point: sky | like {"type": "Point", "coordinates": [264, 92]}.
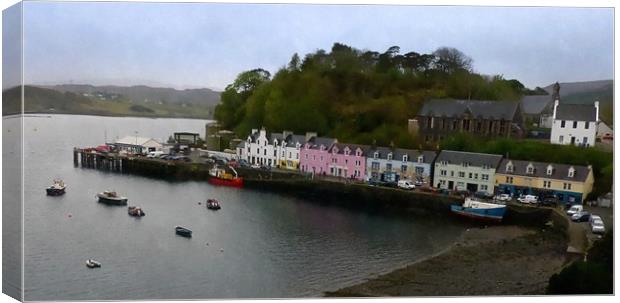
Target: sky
{"type": "Point", "coordinates": [191, 45]}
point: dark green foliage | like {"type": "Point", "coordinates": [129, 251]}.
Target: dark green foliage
{"type": "Point", "coordinates": [594, 276]}
{"type": "Point", "coordinates": [356, 96]}
{"type": "Point", "coordinates": [140, 109]}
{"type": "Point", "coordinates": [602, 162]}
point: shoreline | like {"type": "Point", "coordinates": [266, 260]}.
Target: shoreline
{"type": "Point", "coordinates": [25, 114]}
{"type": "Point", "coordinates": [499, 260]}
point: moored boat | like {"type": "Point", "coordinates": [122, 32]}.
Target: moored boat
{"type": "Point", "coordinates": [57, 189]}
{"type": "Point", "coordinates": [111, 197]}
{"type": "Point", "coordinates": [483, 211]}
{"type": "Point", "coordinates": [213, 204]}
{"type": "Point", "coordinates": [135, 211]}
{"type": "Point", "coordinates": [182, 231]}
{"type": "Point", "coordinates": [90, 263]}
{"type": "Point", "coordinates": [219, 176]}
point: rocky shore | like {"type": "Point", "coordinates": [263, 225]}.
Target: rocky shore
{"type": "Point", "coordinates": [498, 260]}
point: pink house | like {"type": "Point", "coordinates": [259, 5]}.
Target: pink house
{"type": "Point", "coordinates": [314, 155]}
{"type": "Point", "coordinates": [348, 161]}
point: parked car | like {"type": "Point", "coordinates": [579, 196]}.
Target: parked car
{"type": "Point", "coordinates": [155, 154]}
{"type": "Point", "coordinates": [243, 163]}
{"type": "Point", "coordinates": [418, 182]}
{"type": "Point", "coordinates": [405, 184]}
{"type": "Point", "coordinates": [597, 226]}
{"type": "Point", "coordinates": [594, 217]}
{"type": "Point", "coordinates": [582, 216]}
{"type": "Point", "coordinates": [550, 201]}
{"type": "Point", "coordinates": [503, 197]}
{"type": "Point", "coordinates": [528, 199]}
{"type": "Point", "coordinates": [255, 166]}
{"type": "Point", "coordinates": [483, 195]}
{"type": "Point", "coordinates": [574, 209]}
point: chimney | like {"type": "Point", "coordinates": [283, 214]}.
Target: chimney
{"type": "Point", "coordinates": [597, 109]}
{"type": "Point", "coordinates": [254, 130]}
{"type": "Point", "coordinates": [286, 133]}
{"type": "Point", "coordinates": [555, 107]}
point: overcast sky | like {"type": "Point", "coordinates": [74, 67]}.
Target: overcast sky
{"type": "Point", "coordinates": [206, 45]}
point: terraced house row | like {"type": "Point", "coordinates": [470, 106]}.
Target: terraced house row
{"type": "Point", "coordinates": [449, 170]}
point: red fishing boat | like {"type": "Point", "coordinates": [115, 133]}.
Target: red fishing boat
{"type": "Point", "coordinates": [219, 176]}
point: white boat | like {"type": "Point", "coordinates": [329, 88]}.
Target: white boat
{"type": "Point", "coordinates": [111, 197]}
{"type": "Point", "coordinates": [90, 263]}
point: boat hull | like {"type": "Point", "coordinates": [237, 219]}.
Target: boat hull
{"type": "Point", "coordinates": [238, 182]}
{"type": "Point", "coordinates": [55, 191]}
{"type": "Point", "coordinates": [480, 214]}
{"type": "Point", "coordinates": [112, 201]}
{"type": "Point", "coordinates": [184, 232]}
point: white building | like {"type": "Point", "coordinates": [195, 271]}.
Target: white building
{"type": "Point", "coordinates": [273, 150]}
{"type": "Point", "coordinates": [473, 172]}
{"type": "Point", "coordinates": [574, 124]}
{"type": "Point", "coordinates": [137, 145]}
{"type": "Point", "coordinates": [258, 149]}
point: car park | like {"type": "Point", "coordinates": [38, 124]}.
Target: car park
{"type": "Point", "coordinates": [405, 184]}
{"type": "Point", "coordinates": [582, 216]}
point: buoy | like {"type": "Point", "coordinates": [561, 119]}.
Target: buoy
{"type": "Point", "coordinates": [199, 203]}
{"type": "Point", "coordinates": [221, 249]}
{"type": "Point", "coordinates": [69, 215]}
{"type": "Point", "coordinates": [207, 243]}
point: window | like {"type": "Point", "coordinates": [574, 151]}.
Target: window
{"type": "Point", "coordinates": [509, 180]}
{"type": "Point", "coordinates": [442, 182]}
{"type": "Point", "coordinates": [549, 170]}
{"type": "Point", "coordinates": [465, 164]}
{"type": "Point", "coordinates": [306, 156]}
{"type": "Point", "coordinates": [389, 157]}
{"type": "Point", "coordinates": [314, 157]}
{"type": "Point", "coordinates": [587, 125]}
{"type": "Point", "coordinates": [375, 165]}
{"type": "Point", "coordinates": [443, 172]}
{"type": "Point", "coordinates": [476, 176]}
{"type": "Point", "coordinates": [563, 124]}
{"type": "Point", "coordinates": [419, 170]}
{"type": "Point", "coordinates": [509, 167]}
{"type": "Point", "coordinates": [485, 166]}
{"type": "Point", "coordinates": [470, 175]}
{"type": "Point", "coordinates": [547, 184]}
{"type": "Point", "coordinates": [484, 177]}
{"type": "Point", "coordinates": [376, 155]}
{"type": "Point", "coordinates": [461, 174]}
{"type": "Point", "coordinates": [451, 173]}
{"type": "Point", "coordinates": [420, 159]}
{"type": "Point", "coordinates": [585, 141]}
{"type": "Point", "coordinates": [574, 124]}
{"type": "Point", "coordinates": [297, 156]}
{"type": "Point", "coordinates": [483, 187]}
{"type": "Point", "coordinates": [405, 158]}
{"type": "Point", "coordinates": [346, 161]}
{"type": "Point", "coordinates": [403, 168]}
{"type": "Point", "coordinates": [561, 139]}
{"type": "Point", "coordinates": [571, 172]}
{"type": "Point", "coordinates": [567, 186]}
{"type": "Point", "coordinates": [347, 152]}
{"type": "Point", "coordinates": [388, 167]}
{"type": "Point", "coordinates": [264, 152]}
{"type": "Point", "coordinates": [530, 169]}
{"type": "Point", "coordinates": [334, 160]}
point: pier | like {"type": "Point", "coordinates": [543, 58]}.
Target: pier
{"type": "Point", "coordinates": [91, 158]}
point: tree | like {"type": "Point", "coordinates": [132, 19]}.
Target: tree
{"type": "Point", "coordinates": [449, 60]}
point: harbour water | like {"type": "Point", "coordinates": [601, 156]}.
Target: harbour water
{"type": "Point", "coordinates": [258, 245]}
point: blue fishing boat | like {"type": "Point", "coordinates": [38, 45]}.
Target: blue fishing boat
{"type": "Point", "coordinates": [479, 210]}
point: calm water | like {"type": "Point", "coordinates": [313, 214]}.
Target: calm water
{"type": "Point", "coordinates": [258, 245]}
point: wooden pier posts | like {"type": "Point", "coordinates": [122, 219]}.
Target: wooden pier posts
{"type": "Point", "coordinates": [91, 159]}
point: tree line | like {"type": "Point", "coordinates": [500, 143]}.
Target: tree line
{"type": "Point", "coordinates": [357, 96]}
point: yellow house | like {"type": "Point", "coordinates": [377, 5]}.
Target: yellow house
{"type": "Point", "coordinates": [570, 183]}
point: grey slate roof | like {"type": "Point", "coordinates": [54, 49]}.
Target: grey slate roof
{"type": "Point", "coordinates": [560, 171]}
{"type": "Point", "coordinates": [398, 153]}
{"type": "Point", "coordinates": [576, 112]}
{"type": "Point", "coordinates": [474, 159]}
{"type": "Point", "coordinates": [316, 142]}
{"type": "Point", "coordinates": [241, 144]}
{"type": "Point", "coordinates": [456, 108]}
{"type": "Point", "coordinates": [534, 105]}
{"type": "Point", "coordinates": [352, 147]}
{"type": "Point", "coordinates": [291, 140]}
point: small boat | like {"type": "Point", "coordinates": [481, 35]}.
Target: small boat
{"type": "Point", "coordinates": [111, 197]}
{"type": "Point", "coordinates": [135, 211]}
{"type": "Point", "coordinates": [182, 231]}
{"type": "Point", "coordinates": [213, 204]}
{"type": "Point", "coordinates": [219, 176]}
{"type": "Point", "coordinates": [90, 263]}
{"type": "Point", "coordinates": [483, 211]}
{"type": "Point", "coordinates": [57, 189]}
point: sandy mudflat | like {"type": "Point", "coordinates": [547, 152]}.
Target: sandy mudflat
{"type": "Point", "coordinates": [499, 260]}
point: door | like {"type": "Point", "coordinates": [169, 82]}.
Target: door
{"type": "Point", "coordinates": [450, 184]}
{"type": "Point", "coordinates": [472, 187]}
{"type": "Point", "coordinates": [572, 140]}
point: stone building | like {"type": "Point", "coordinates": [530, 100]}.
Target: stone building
{"type": "Point", "coordinates": [441, 117]}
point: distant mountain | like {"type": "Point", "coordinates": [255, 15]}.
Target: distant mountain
{"type": "Point", "coordinates": [45, 100]}
{"type": "Point", "coordinates": [145, 94]}
{"type": "Point", "coordinates": [585, 92]}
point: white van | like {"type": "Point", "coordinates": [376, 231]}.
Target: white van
{"type": "Point", "coordinates": [155, 154]}
{"type": "Point", "coordinates": [574, 209]}
{"type": "Point", "coordinates": [405, 184]}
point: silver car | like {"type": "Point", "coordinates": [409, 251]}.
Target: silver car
{"type": "Point", "coordinates": [597, 226]}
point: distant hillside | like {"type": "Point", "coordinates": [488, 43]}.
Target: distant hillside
{"type": "Point", "coordinates": [587, 92]}
{"type": "Point", "coordinates": [146, 94]}
{"type": "Point", "coordinates": [44, 100]}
